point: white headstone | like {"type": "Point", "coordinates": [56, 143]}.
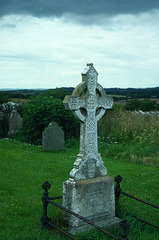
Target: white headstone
{"type": "Point", "coordinates": [89, 103]}
{"type": "Point", "coordinates": [89, 191]}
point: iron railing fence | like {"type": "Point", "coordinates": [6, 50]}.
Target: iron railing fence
{"type": "Point", "coordinates": [118, 191]}
{"type": "Point", "coordinates": [46, 221]}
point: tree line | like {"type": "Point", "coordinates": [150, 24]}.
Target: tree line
{"type": "Point", "coordinates": [47, 106]}
{"type": "Point", "coordinates": [126, 92]}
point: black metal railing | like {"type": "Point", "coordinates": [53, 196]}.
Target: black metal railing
{"type": "Point", "coordinates": [118, 191]}
{"type": "Point", "coordinates": [46, 221]}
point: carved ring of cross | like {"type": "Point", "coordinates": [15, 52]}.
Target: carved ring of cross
{"type": "Point", "coordinates": [82, 101]}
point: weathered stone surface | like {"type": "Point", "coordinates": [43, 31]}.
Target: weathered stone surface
{"type": "Point", "coordinates": [89, 192]}
{"type": "Point", "coordinates": [15, 122]}
{"type": "Point", "coordinates": [9, 106]}
{"type": "Point", "coordinates": [53, 138]}
{"type": "Point", "coordinates": [89, 103]}
{"type": "Point", "coordinates": [92, 199]}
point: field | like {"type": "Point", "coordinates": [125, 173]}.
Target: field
{"type": "Point", "coordinates": [25, 167]}
{"type": "Point", "coordinates": [123, 102]}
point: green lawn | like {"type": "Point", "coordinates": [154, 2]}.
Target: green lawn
{"type": "Point", "coordinates": [24, 168]}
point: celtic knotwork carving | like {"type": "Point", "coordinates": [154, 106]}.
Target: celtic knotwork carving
{"type": "Point", "coordinates": [90, 148]}
{"type": "Point", "coordinates": [106, 102]}
{"type": "Point", "coordinates": [91, 83]}
{"type": "Point", "coordinates": [78, 176]}
{"type": "Point", "coordinates": [103, 171]}
{"type": "Point", "coordinates": [91, 102]}
{"type": "Point", "coordinates": [91, 137]}
{"type": "Point", "coordinates": [88, 103]}
{"type": "Point", "coordinates": [75, 103]}
{"type": "Point", "coordinates": [91, 124]}
{"type": "Point", "coordinates": [91, 143]}
{"type": "Point", "coordinates": [91, 164]}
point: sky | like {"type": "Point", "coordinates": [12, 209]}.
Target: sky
{"type": "Point", "coordinates": [47, 43]}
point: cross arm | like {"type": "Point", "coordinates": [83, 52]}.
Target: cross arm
{"type": "Point", "coordinates": [73, 102]}
{"type": "Point", "coordinates": [105, 102]}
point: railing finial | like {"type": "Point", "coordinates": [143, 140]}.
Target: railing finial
{"type": "Point", "coordinates": [46, 186]}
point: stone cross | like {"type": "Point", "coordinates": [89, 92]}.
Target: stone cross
{"type": "Point", "coordinates": [89, 103]}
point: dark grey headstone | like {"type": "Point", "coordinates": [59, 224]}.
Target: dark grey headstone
{"type": "Point", "coordinates": [15, 122]}
{"type": "Point", "coordinates": [53, 138]}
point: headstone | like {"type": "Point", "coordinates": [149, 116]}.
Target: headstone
{"type": "Point", "coordinates": [15, 122]}
{"type": "Point", "coordinates": [89, 192]}
{"type": "Point", "coordinates": [53, 138]}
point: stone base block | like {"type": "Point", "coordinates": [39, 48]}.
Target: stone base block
{"type": "Point", "coordinates": [92, 199]}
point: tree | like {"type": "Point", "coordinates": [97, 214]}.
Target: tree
{"type": "Point", "coordinates": [145, 105]}
{"type": "Point", "coordinates": [148, 105]}
{"type": "Point", "coordinates": [59, 93]}
{"type": "Point", "coordinates": [42, 110]}
{"type": "Point", "coordinates": [132, 105]}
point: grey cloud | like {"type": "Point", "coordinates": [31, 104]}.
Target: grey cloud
{"type": "Point", "coordinates": [8, 26]}
{"type": "Point", "coordinates": [49, 8]}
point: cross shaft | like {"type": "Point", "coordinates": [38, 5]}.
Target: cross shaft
{"type": "Point", "coordinates": [89, 103]}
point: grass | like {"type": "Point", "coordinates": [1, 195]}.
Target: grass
{"type": "Point", "coordinates": [19, 100]}
{"type": "Point", "coordinates": [124, 126]}
{"type": "Point", "coordinates": [119, 96]}
{"type": "Point", "coordinates": [147, 154]}
{"type": "Point", "coordinates": [25, 167]}
{"type": "Point", "coordinates": [130, 136]}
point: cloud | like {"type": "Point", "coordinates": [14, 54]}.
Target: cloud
{"type": "Point", "coordinates": [82, 8]}
{"type": "Point", "coordinates": [8, 25]}
{"type": "Point", "coordinates": [50, 52]}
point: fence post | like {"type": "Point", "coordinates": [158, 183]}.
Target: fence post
{"type": "Point", "coordinates": [118, 180]}
{"type": "Point", "coordinates": [46, 186]}
{"type": "Point", "coordinates": [125, 226]}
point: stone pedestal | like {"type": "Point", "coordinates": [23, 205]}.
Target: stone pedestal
{"type": "Point", "coordinates": [92, 199]}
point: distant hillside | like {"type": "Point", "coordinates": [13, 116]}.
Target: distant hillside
{"type": "Point", "coordinates": [140, 92]}
{"type": "Point", "coordinates": [23, 91]}
{"type": "Point", "coordinates": [127, 92]}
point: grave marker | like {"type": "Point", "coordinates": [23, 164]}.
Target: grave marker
{"type": "Point", "coordinates": [89, 191]}
{"type": "Point", "coordinates": [53, 138]}
{"type": "Point", "coordinates": [15, 122]}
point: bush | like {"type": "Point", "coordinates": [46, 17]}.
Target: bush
{"type": "Point", "coordinates": [145, 105]}
{"type": "Point", "coordinates": [4, 97]}
{"type": "Point", "coordinates": [42, 110]}
{"type": "Point", "coordinates": [59, 93]}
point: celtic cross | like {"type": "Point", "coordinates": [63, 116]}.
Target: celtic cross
{"type": "Point", "coordinates": [89, 103]}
